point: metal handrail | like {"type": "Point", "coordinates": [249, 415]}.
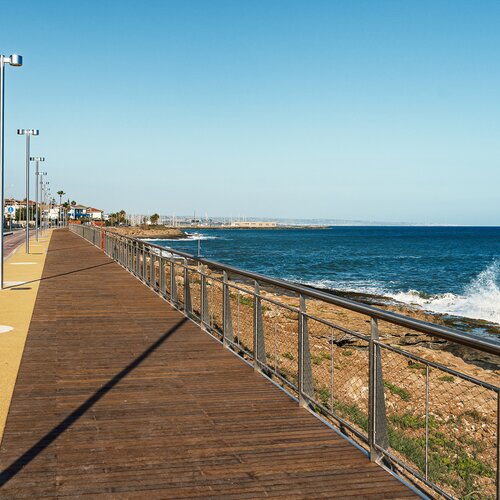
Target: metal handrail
{"type": "Point", "coordinates": [442, 332]}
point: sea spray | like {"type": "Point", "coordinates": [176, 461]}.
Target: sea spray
{"type": "Point", "coordinates": [480, 300]}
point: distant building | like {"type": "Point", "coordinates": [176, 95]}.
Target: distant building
{"type": "Point", "coordinates": [94, 213]}
{"type": "Point", "coordinates": [253, 224]}
{"type": "Point", "coordinates": [53, 213]}
{"type": "Point", "coordinates": [12, 206]}
{"type": "Point", "coordinates": [77, 211]}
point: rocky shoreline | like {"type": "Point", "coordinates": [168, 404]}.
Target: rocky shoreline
{"type": "Point", "coordinates": [150, 232]}
{"type": "Point", "coordinates": [475, 326]}
{"type": "Point", "coordinates": [416, 339]}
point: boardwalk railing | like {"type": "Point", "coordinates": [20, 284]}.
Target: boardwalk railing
{"type": "Point", "coordinates": [421, 399]}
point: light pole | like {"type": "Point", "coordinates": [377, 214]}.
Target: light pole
{"type": "Point", "coordinates": [49, 203]}
{"type": "Point", "coordinates": [61, 193]}
{"type": "Point", "coordinates": [13, 60]}
{"type": "Point", "coordinates": [36, 159]}
{"type": "Point", "coordinates": [28, 133]}
{"type": "Point", "coordinates": [45, 200]}
{"type": "Point", "coordinates": [40, 186]}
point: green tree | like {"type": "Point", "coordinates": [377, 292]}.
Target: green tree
{"type": "Point", "coordinates": [61, 194]}
{"type": "Point", "coordinates": [154, 219]}
{"type": "Point", "coordinates": [118, 218]}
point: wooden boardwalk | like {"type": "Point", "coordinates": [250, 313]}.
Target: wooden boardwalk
{"type": "Point", "coordinates": [119, 395]}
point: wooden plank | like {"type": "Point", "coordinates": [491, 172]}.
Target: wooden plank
{"type": "Point", "coordinates": [120, 395]}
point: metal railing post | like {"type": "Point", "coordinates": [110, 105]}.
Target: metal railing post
{"type": "Point", "coordinates": [259, 346]}
{"type": "Point", "coordinates": [144, 264]}
{"type": "Point", "coordinates": [377, 418]}
{"type": "Point", "coordinates": [226, 306]}
{"type": "Point", "coordinates": [137, 259]}
{"type": "Point", "coordinates": [173, 284]}
{"type": "Point", "coordinates": [187, 291]}
{"type": "Point", "coordinates": [152, 270]}
{"type": "Point", "coordinates": [132, 257]}
{"type": "Point", "coordinates": [162, 276]}
{"type": "Point", "coordinates": [306, 385]}
{"type": "Point", "coordinates": [205, 317]}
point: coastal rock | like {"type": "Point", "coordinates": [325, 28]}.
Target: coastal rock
{"type": "Point", "coordinates": [149, 231]}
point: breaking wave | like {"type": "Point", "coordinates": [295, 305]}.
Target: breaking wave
{"type": "Point", "coordinates": [190, 236]}
{"type": "Point", "coordinates": [199, 236]}
{"type": "Point", "coordinates": [480, 300]}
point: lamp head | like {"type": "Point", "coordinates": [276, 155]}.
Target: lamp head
{"type": "Point", "coordinates": [22, 131]}
{"type": "Point", "coordinates": [16, 60]}
{"type": "Point", "coordinates": [37, 158]}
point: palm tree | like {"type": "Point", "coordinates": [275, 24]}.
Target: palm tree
{"type": "Point", "coordinates": [154, 219]}
{"type": "Point", "coordinates": [61, 194]}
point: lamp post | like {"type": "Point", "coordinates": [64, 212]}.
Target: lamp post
{"type": "Point", "coordinates": [28, 133]}
{"type": "Point", "coordinates": [40, 187]}
{"type": "Point", "coordinates": [45, 200]}
{"type": "Point", "coordinates": [36, 159]}
{"type": "Point", "coordinates": [49, 207]}
{"type": "Point", "coordinates": [13, 60]}
{"type": "Point", "coordinates": [61, 193]}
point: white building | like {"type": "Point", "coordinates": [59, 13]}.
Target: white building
{"type": "Point", "coordinates": [94, 213]}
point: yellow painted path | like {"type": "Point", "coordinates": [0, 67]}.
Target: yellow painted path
{"type": "Point", "coordinates": [22, 275]}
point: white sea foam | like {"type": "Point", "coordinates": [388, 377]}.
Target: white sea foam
{"type": "Point", "coordinates": [190, 236]}
{"type": "Point", "coordinates": [199, 236]}
{"type": "Point", "coordinates": [480, 300]}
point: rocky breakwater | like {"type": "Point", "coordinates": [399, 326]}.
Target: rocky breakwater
{"type": "Point", "coordinates": [150, 232]}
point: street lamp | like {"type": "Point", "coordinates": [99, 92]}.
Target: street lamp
{"type": "Point", "coordinates": [28, 133]}
{"type": "Point", "coordinates": [61, 193]}
{"type": "Point", "coordinates": [13, 60]}
{"type": "Point", "coordinates": [36, 159]}
{"type": "Point", "coordinates": [47, 203]}
{"type": "Point", "coordinates": [40, 186]}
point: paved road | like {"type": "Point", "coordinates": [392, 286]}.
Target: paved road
{"type": "Point", "coordinates": [12, 241]}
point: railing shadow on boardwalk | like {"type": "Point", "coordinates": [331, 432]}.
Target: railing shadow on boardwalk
{"type": "Point", "coordinates": [16, 466]}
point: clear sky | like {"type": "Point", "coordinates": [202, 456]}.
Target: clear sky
{"type": "Point", "coordinates": [373, 110]}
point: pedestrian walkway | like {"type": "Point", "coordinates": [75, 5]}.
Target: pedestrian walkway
{"type": "Point", "coordinates": [17, 300]}
{"type": "Point", "coordinates": [119, 395]}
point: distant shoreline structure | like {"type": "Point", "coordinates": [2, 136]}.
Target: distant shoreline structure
{"type": "Point", "coordinates": [217, 222]}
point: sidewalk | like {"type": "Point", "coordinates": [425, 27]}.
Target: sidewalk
{"type": "Point", "coordinates": [17, 300]}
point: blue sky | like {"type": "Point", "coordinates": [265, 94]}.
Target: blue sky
{"type": "Point", "coordinates": [385, 110]}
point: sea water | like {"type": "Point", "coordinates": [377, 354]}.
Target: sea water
{"type": "Point", "coordinates": [446, 270]}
